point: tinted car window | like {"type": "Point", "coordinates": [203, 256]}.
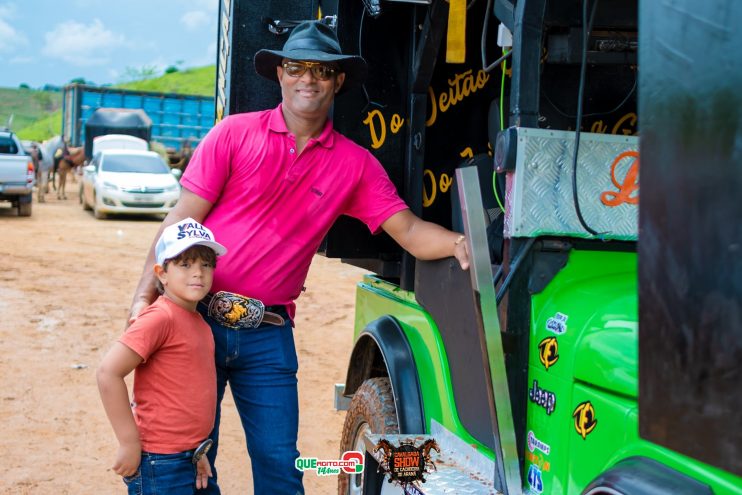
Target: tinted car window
{"type": "Point", "coordinates": [134, 163]}
{"type": "Point", "coordinates": [8, 146]}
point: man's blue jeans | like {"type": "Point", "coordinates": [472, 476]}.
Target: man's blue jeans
{"type": "Point", "coordinates": [173, 474]}
{"type": "Point", "coordinates": [260, 365]}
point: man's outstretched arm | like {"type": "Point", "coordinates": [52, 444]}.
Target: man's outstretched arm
{"type": "Point", "coordinates": [426, 240]}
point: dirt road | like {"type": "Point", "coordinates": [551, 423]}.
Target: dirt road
{"type": "Point", "coordinates": [66, 281]}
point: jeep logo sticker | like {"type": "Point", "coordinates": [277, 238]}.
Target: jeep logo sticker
{"type": "Point", "coordinates": [542, 397]}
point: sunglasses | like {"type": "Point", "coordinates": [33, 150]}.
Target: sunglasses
{"type": "Point", "coordinates": [319, 70]}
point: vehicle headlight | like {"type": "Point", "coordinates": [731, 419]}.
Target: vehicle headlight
{"type": "Point", "coordinates": [174, 187]}
{"type": "Point", "coordinates": [110, 185]}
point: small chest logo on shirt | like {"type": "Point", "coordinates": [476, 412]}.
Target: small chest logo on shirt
{"type": "Point", "coordinates": [317, 191]}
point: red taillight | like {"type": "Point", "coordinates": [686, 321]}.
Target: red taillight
{"type": "Point", "coordinates": [30, 173]}
{"type": "Point", "coordinates": [30, 167]}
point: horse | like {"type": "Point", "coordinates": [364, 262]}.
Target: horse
{"type": "Point", "coordinates": [426, 447]}
{"type": "Point", "coordinates": [46, 165]}
{"type": "Point", "coordinates": [75, 157]}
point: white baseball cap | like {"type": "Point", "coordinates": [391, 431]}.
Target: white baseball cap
{"type": "Point", "coordinates": [180, 236]}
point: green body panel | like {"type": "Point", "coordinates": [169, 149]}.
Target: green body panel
{"type": "Point", "coordinates": [376, 298]}
{"type": "Point", "coordinates": [597, 349]}
{"type": "Point", "coordinates": [597, 364]}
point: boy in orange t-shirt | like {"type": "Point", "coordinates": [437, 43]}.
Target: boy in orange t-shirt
{"type": "Point", "coordinates": [162, 433]}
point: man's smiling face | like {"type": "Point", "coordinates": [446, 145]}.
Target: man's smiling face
{"type": "Point", "coordinates": [307, 96]}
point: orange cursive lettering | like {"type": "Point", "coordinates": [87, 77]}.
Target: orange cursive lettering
{"type": "Point", "coordinates": [629, 185]}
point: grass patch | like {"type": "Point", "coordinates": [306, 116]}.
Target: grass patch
{"type": "Point", "coordinates": [43, 128]}
{"type": "Point", "coordinates": [200, 81]}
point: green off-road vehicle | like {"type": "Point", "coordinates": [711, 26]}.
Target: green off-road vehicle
{"type": "Point", "coordinates": [595, 344]}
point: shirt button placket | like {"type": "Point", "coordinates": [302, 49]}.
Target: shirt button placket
{"type": "Point", "coordinates": [291, 173]}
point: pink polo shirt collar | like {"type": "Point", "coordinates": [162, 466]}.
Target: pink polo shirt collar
{"type": "Point", "coordinates": [277, 123]}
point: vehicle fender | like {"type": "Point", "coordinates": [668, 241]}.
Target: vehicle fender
{"type": "Point", "coordinates": [644, 476]}
{"type": "Point", "coordinates": [382, 349]}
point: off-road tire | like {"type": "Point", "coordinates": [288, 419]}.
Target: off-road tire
{"type": "Point", "coordinates": [372, 405]}
{"type": "Point", "coordinates": [24, 209]}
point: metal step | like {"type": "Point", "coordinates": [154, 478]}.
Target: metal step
{"type": "Point", "coordinates": [459, 468]}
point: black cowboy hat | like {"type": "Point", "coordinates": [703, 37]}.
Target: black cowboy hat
{"type": "Point", "coordinates": [315, 41]}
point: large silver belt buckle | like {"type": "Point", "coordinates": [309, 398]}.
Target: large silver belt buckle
{"type": "Point", "coordinates": [234, 311]}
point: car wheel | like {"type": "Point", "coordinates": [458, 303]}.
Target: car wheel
{"type": "Point", "coordinates": [24, 209]}
{"type": "Point", "coordinates": [85, 205]}
{"type": "Point", "coordinates": [371, 410]}
{"type": "Point", "coordinates": [96, 212]}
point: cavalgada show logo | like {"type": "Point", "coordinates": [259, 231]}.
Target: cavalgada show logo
{"type": "Point", "coordinates": [350, 462]}
{"type": "Point", "coordinates": [408, 463]}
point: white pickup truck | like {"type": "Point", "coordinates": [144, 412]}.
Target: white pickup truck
{"type": "Point", "coordinates": [16, 173]}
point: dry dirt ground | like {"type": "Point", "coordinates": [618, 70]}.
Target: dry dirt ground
{"type": "Point", "coordinates": [66, 281]}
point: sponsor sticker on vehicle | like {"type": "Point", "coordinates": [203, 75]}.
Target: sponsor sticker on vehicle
{"type": "Point", "coordinates": [557, 324]}
{"type": "Point", "coordinates": [536, 444]}
{"type": "Point", "coordinates": [535, 482]}
{"type": "Point", "coordinates": [585, 420]}
{"type": "Point", "coordinates": [548, 352]}
{"type": "Point", "coordinates": [407, 464]}
{"type": "Point", "coordinates": [542, 397]}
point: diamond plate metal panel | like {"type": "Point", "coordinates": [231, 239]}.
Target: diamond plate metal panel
{"type": "Point", "coordinates": [539, 197]}
{"type": "Point", "coordinates": [460, 468]}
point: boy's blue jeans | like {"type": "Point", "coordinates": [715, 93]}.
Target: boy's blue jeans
{"type": "Point", "coordinates": [164, 473]}
{"type": "Point", "coordinates": [260, 365]}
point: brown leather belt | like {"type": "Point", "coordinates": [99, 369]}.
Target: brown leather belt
{"type": "Point", "coordinates": [235, 311]}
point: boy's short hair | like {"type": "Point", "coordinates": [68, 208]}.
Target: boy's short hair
{"type": "Point", "coordinates": [198, 251]}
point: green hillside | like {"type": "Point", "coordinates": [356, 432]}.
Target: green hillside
{"type": "Point", "coordinates": [200, 81]}
{"type": "Point", "coordinates": [43, 128]}
{"type": "Point", "coordinates": [27, 106]}
{"type": "Point", "coordinates": [38, 114]}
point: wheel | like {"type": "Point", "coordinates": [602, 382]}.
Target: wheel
{"type": "Point", "coordinates": [85, 205]}
{"type": "Point", "coordinates": [24, 209]}
{"type": "Point", "coordinates": [97, 213]}
{"type": "Point", "coordinates": [371, 410]}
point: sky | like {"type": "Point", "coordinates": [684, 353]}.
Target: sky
{"type": "Point", "coordinates": [103, 41]}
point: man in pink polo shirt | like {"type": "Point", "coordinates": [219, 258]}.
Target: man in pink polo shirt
{"type": "Point", "coordinates": [270, 185]}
